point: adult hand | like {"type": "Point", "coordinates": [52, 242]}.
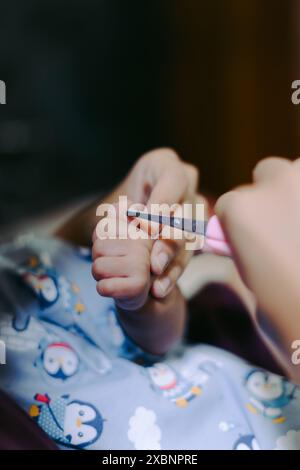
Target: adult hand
{"type": "Point", "coordinates": [262, 224]}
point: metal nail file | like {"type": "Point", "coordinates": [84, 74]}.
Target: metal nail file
{"type": "Point", "coordinates": [188, 225]}
{"type": "Point", "coordinates": [215, 240]}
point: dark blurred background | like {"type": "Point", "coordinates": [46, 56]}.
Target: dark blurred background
{"type": "Point", "coordinates": [92, 84]}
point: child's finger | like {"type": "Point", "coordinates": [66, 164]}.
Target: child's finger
{"type": "Point", "coordinates": [149, 228]}
{"type": "Point", "coordinates": [163, 285]}
{"type": "Point", "coordinates": [171, 241]}
{"type": "Point", "coordinates": [110, 248]}
{"type": "Point", "coordinates": [163, 252]}
{"type": "Point", "coordinates": [167, 182]}
{"type": "Point", "coordinates": [120, 287]}
{"type": "Point", "coordinates": [106, 267]}
{"type": "Point", "coordinates": [111, 228]}
{"type": "Point", "coordinates": [193, 178]}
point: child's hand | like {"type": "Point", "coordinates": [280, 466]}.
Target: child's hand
{"type": "Point", "coordinates": [121, 267]}
{"type": "Point", "coordinates": [161, 177]}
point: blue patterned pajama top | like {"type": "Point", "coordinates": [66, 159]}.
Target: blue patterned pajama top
{"type": "Point", "coordinates": [70, 365]}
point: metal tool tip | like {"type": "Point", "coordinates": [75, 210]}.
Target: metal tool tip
{"type": "Point", "coordinates": [133, 213]}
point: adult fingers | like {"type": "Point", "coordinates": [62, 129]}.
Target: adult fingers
{"type": "Point", "coordinates": [270, 168]}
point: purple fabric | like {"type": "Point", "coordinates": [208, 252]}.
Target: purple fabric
{"type": "Point", "coordinates": [18, 431]}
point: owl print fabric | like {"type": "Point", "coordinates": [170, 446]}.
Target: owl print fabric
{"type": "Point", "coordinates": [88, 386]}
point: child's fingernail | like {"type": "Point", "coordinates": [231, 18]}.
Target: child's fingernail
{"type": "Point", "coordinates": [163, 260]}
{"type": "Point", "coordinates": [163, 285]}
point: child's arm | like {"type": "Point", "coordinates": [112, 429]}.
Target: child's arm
{"type": "Point", "coordinates": [121, 268]}
{"type": "Point", "coordinates": [158, 324]}
{"type": "Point", "coordinates": [262, 224]}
